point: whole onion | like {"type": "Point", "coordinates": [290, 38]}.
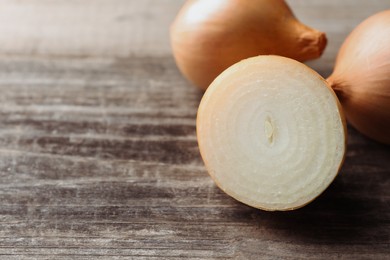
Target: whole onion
{"type": "Point", "coordinates": [361, 78]}
{"type": "Point", "coordinates": [208, 36]}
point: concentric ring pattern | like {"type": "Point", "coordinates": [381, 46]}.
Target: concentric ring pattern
{"type": "Point", "coordinates": [271, 133]}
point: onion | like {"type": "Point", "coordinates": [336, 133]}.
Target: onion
{"type": "Point", "coordinates": [271, 133]}
{"type": "Point", "coordinates": [208, 36]}
{"type": "Point", "coordinates": [361, 77]}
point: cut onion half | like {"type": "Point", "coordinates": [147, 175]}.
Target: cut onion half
{"type": "Point", "coordinates": [271, 133]}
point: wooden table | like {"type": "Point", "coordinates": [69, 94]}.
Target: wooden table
{"type": "Point", "coordinates": [98, 154]}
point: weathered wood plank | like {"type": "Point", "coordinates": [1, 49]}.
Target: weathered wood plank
{"type": "Point", "coordinates": [98, 153]}
{"type": "Point", "coordinates": [95, 165]}
{"type": "Point", "coordinates": [121, 28]}
{"type": "Point", "coordinates": [86, 28]}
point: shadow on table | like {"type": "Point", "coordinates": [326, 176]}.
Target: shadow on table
{"type": "Point", "coordinates": [354, 209]}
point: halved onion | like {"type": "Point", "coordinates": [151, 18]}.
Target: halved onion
{"type": "Point", "coordinates": [271, 133]}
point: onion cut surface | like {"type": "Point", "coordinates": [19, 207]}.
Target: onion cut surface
{"type": "Point", "coordinates": [271, 133]}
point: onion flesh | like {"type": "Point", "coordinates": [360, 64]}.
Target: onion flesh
{"type": "Point", "coordinates": [271, 133]}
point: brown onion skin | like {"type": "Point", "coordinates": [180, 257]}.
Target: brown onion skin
{"type": "Point", "coordinates": [361, 78]}
{"type": "Point", "coordinates": [223, 32]}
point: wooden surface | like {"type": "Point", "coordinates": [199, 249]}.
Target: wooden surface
{"type": "Point", "coordinates": [99, 159]}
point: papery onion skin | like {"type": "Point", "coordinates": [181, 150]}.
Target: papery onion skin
{"type": "Point", "coordinates": [209, 36]}
{"type": "Point", "coordinates": [361, 77]}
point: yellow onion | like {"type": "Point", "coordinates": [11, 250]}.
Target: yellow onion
{"type": "Point", "coordinates": [208, 36]}
{"type": "Point", "coordinates": [271, 133]}
{"type": "Point", "coordinates": [361, 77]}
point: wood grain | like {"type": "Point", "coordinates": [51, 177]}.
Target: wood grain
{"type": "Point", "coordinates": [99, 159]}
{"type": "Point", "coordinates": [120, 28]}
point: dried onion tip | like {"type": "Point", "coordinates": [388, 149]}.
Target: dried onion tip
{"type": "Point", "coordinates": [271, 133]}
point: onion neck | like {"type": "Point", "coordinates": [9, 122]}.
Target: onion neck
{"type": "Point", "coordinates": [337, 86]}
